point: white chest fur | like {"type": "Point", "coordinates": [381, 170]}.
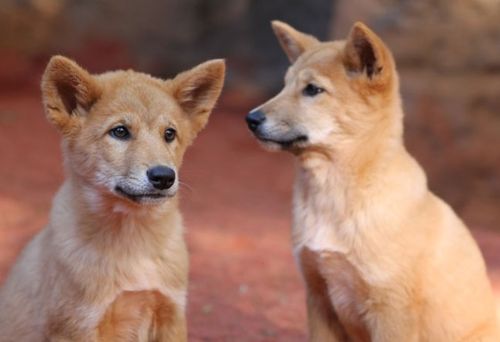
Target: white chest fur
{"type": "Point", "coordinates": [323, 241]}
{"type": "Point", "coordinates": [145, 275]}
{"type": "Point", "coordinates": [317, 214]}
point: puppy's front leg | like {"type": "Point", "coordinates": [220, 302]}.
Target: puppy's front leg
{"type": "Point", "coordinates": [143, 316]}
{"type": "Point", "coordinates": [323, 321]}
{"type": "Point", "coordinates": [172, 330]}
{"type": "Point", "coordinates": [172, 326]}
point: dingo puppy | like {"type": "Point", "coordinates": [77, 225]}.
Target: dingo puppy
{"type": "Point", "coordinates": [112, 264]}
{"type": "Point", "coordinates": [383, 258]}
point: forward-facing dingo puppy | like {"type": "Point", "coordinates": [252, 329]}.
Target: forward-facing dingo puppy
{"type": "Point", "coordinates": [112, 264]}
{"type": "Point", "coordinates": [383, 258]}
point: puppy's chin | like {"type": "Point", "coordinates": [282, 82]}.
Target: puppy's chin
{"type": "Point", "coordinates": [270, 145]}
{"type": "Point", "coordinates": [285, 143]}
{"type": "Point", "coordinates": [144, 197]}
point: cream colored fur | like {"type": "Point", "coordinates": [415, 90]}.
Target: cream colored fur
{"type": "Point", "coordinates": [108, 268]}
{"type": "Point", "coordinates": [383, 258]}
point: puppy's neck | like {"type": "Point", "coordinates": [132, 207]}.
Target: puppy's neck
{"type": "Point", "coordinates": [91, 217]}
{"type": "Point", "coordinates": [349, 164]}
{"type": "Point", "coordinates": [355, 156]}
{"type": "Point", "coordinates": [345, 179]}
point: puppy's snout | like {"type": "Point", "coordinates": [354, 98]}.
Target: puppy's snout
{"type": "Point", "coordinates": [161, 177]}
{"type": "Point", "coordinates": [254, 119]}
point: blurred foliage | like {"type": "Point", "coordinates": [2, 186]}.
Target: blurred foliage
{"type": "Point", "coordinates": [162, 36]}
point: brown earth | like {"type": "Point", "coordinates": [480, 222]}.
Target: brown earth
{"type": "Point", "coordinates": [236, 202]}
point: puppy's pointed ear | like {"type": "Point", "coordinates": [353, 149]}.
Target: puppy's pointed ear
{"type": "Point", "coordinates": [365, 53]}
{"type": "Point", "coordinates": [68, 92]}
{"type": "Point", "coordinates": [293, 42]}
{"type": "Point", "coordinates": [198, 89]}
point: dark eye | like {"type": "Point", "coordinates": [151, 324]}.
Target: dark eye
{"type": "Point", "coordinates": [120, 132]}
{"type": "Point", "coordinates": [170, 134]}
{"type": "Point", "coordinates": [312, 90]}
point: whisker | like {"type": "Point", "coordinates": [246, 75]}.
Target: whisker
{"type": "Point", "coordinates": [187, 186]}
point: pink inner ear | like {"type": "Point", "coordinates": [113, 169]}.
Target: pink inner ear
{"type": "Point", "coordinates": [293, 45]}
{"type": "Point", "coordinates": [198, 94]}
{"type": "Point", "coordinates": [67, 94]}
{"type": "Point", "coordinates": [201, 89]}
{"type": "Point", "coordinates": [294, 49]}
{"type": "Point", "coordinates": [67, 86]}
{"type": "Point", "coordinates": [367, 56]}
{"type": "Point", "coordinates": [362, 55]}
{"type": "Point", "coordinates": [76, 92]}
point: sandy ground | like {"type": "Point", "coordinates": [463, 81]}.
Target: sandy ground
{"type": "Point", "coordinates": [236, 202]}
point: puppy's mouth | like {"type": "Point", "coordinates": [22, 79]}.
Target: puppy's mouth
{"type": "Point", "coordinates": [284, 143]}
{"type": "Point", "coordinates": [140, 197]}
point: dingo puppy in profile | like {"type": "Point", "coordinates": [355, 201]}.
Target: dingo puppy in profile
{"type": "Point", "coordinates": [112, 265]}
{"type": "Point", "coordinates": [383, 258]}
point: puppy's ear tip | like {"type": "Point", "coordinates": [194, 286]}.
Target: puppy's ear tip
{"type": "Point", "coordinates": [60, 66]}
{"type": "Point", "coordinates": [217, 62]}
{"type": "Point", "coordinates": [277, 23]}
{"type": "Point", "coordinates": [216, 65]}
{"type": "Point", "coordinates": [359, 25]}
{"type": "Point", "coordinates": [280, 26]}
{"type": "Point", "coordinates": [59, 60]}
{"type": "Point", "coordinates": [361, 29]}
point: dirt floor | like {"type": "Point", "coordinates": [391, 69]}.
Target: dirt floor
{"type": "Point", "coordinates": [236, 202]}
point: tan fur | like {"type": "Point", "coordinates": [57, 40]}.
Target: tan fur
{"type": "Point", "coordinates": [382, 257]}
{"type": "Point", "coordinates": [142, 316]}
{"type": "Point", "coordinates": [107, 268]}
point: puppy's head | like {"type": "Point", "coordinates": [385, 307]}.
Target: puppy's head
{"type": "Point", "coordinates": [125, 133]}
{"type": "Point", "coordinates": [334, 93]}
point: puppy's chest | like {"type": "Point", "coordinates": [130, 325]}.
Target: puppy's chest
{"type": "Point", "coordinates": [316, 223]}
{"type": "Point", "coordinates": [323, 244]}
{"type": "Point", "coordinates": [139, 275]}
{"type": "Point", "coordinates": [146, 274]}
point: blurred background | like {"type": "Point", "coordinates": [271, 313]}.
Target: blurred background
{"type": "Point", "coordinates": [244, 284]}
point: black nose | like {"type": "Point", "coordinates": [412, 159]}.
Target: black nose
{"type": "Point", "coordinates": [161, 177]}
{"type": "Point", "coordinates": [254, 119]}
